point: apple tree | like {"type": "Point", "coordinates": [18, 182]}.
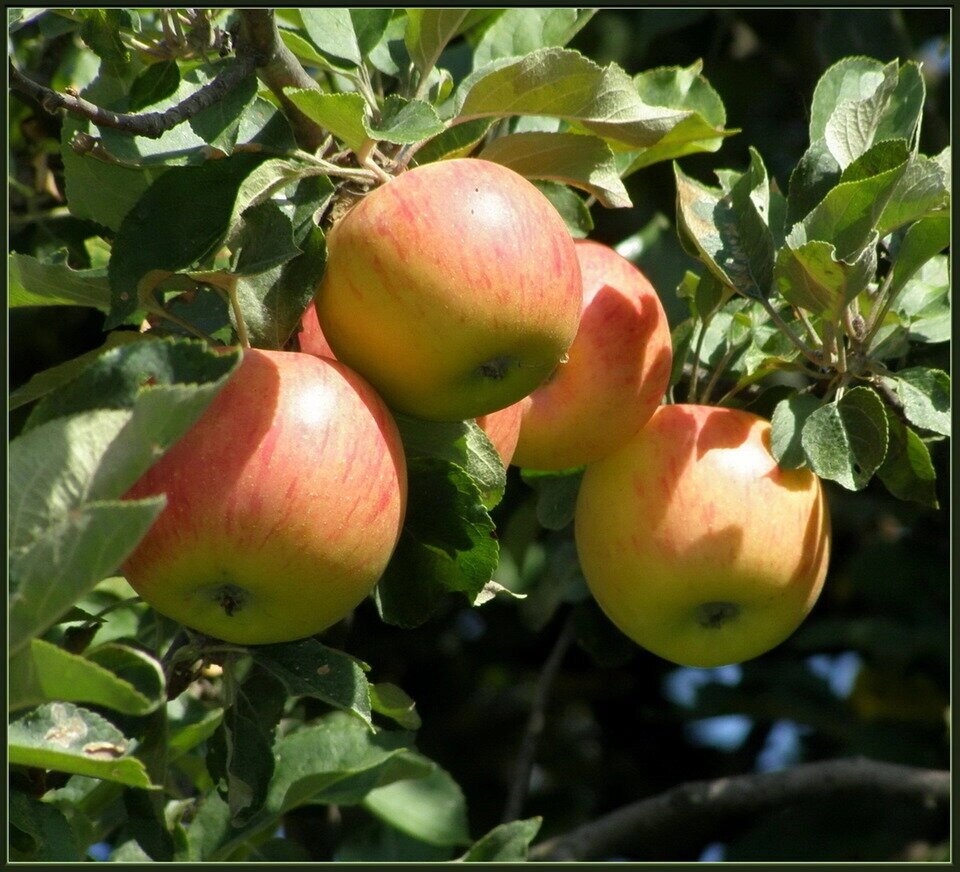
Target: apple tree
{"type": "Point", "coordinates": [183, 181]}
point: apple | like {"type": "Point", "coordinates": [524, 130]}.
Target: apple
{"type": "Point", "coordinates": [503, 429]}
{"type": "Point", "coordinates": [310, 337]}
{"type": "Point", "coordinates": [616, 375]}
{"type": "Point", "coordinates": [696, 544]}
{"type": "Point", "coordinates": [284, 503]}
{"type": "Point", "coordinates": [454, 289]}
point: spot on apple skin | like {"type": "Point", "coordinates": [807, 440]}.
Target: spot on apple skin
{"type": "Point", "coordinates": [229, 597]}
{"type": "Point", "coordinates": [496, 368]}
{"type": "Point", "coordinates": [714, 615]}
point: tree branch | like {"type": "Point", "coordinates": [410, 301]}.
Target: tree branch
{"type": "Point", "coordinates": [279, 69]}
{"type": "Point", "coordinates": [535, 723]}
{"type": "Point", "coordinates": [679, 807]}
{"type": "Point", "coordinates": [150, 124]}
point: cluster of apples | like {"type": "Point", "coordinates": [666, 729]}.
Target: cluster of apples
{"type": "Point", "coordinates": [455, 292]}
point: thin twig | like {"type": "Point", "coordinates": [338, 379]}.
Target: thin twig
{"type": "Point", "coordinates": [149, 124]}
{"type": "Point", "coordinates": [712, 804]}
{"type": "Point", "coordinates": [717, 372]}
{"type": "Point", "coordinates": [535, 723]}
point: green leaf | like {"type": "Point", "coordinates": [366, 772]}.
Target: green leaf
{"type": "Point", "coordinates": [847, 216]}
{"type": "Point", "coordinates": [431, 809]}
{"type": "Point", "coordinates": [852, 79]}
{"type": "Point", "coordinates": [813, 278]}
{"type": "Point", "coordinates": [507, 843]}
{"type": "Point", "coordinates": [923, 190]}
{"type": "Point", "coordinates": [157, 82]}
{"type": "Point", "coordinates": [340, 114]}
{"type": "Point", "coordinates": [39, 832]}
{"type": "Point", "coordinates": [404, 121]}
{"type": "Point", "coordinates": [333, 32]}
{"type": "Point", "coordinates": [65, 738]}
{"type": "Point", "coordinates": [556, 495]}
{"type": "Point", "coordinates": [37, 283]}
{"type": "Point", "coordinates": [846, 441]}
{"type": "Point", "coordinates": [787, 423]}
{"type": "Point", "coordinates": [48, 380]}
{"type": "Point", "coordinates": [925, 302]}
{"type": "Point", "coordinates": [307, 668]}
{"type": "Point", "coordinates": [392, 702]}
{"type": "Point", "coordinates": [853, 124]}
{"type": "Point", "coordinates": [680, 88]}
{"type": "Point", "coordinates": [585, 162]}
{"type": "Point", "coordinates": [923, 239]}
{"type": "Point", "coordinates": [68, 558]}
{"type": "Point", "coordinates": [925, 394]}
{"type": "Point", "coordinates": [171, 229]}
{"type": "Point", "coordinates": [427, 33]}
{"type": "Point", "coordinates": [372, 841]}
{"type": "Point", "coordinates": [907, 470]}
{"type": "Point", "coordinates": [45, 672]}
{"type": "Point", "coordinates": [520, 31]}
{"type": "Point", "coordinates": [369, 25]}
{"type": "Point", "coordinates": [101, 32]}
{"type": "Point", "coordinates": [457, 141]}
{"type": "Point", "coordinates": [562, 83]}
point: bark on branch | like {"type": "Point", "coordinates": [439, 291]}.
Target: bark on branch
{"type": "Point", "coordinates": [279, 69]}
{"type": "Point", "coordinates": [150, 124]}
{"type": "Point", "coordinates": [646, 820]}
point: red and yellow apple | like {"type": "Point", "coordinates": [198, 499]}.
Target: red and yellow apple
{"type": "Point", "coordinates": [694, 541]}
{"type": "Point", "coordinates": [284, 503]}
{"type": "Point", "coordinates": [616, 374]}
{"type": "Point", "coordinates": [454, 289]}
{"type": "Point", "coordinates": [310, 337]}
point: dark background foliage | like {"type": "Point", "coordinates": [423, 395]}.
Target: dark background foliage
{"type": "Point", "coordinates": [868, 673]}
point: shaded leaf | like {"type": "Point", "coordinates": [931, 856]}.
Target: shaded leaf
{"type": "Point", "coordinates": [570, 205]}
{"type": "Point", "coordinates": [393, 702]}
{"type": "Point", "coordinates": [428, 31]}
{"type": "Point", "coordinates": [787, 423]}
{"type": "Point", "coordinates": [556, 495]}
{"type": "Point", "coordinates": [907, 470]}
{"type": "Point", "coordinates": [585, 162]}
{"type": "Point", "coordinates": [308, 668]}
{"type": "Point", "coordinates": [39, 832]}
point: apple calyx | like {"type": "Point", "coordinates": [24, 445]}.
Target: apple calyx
{"type": "Point", "coordinates": [230, 597]}
{"type": "Point", "coordinates": [714, 615]}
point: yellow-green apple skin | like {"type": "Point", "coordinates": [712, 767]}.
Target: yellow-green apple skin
{"type": "Point", "coordinates": [696, 544]}
{"type": "Point", "coordinates": [284, 503]}
{"type": "Point", "coordinates": [454, 289]}
{"type": "Point", "coordinates": [503, 429]}
{"type": "Point", "coordinates": [616, 374]}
